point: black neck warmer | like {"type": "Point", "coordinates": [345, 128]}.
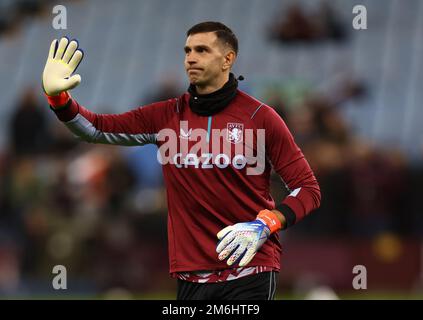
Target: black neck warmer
{"type": "Point", "coordinates": [212, 103]}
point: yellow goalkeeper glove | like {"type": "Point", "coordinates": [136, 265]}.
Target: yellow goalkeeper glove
{"type": "Point", "coordinates": [63, 59]}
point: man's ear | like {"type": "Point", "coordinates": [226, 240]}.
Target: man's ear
{"type": "Point", "coordinates": [229, 57]}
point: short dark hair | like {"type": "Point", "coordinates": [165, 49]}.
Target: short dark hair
{"type": "Point", "coordinates": [223, 33]}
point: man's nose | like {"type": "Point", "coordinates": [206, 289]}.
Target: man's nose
{"type": "Point", "coordinates": [191, 59]}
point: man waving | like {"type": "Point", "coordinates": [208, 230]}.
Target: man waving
{"type": "Point", "coordinates": [217, 146]}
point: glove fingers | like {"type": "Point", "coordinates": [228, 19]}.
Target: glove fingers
{"type": "Point", "coordinates": [63, 43]}
{"type": "Point", "coordinates": [224, 232]}
{"type": "Point", "coordinates": [73, 81]}
{"type": "Point", "coordinates": [52, 50]}
{"type": "Point", "coordinates": [76, 60]}
{"type": "Point", "coordinates": [228, 250]}
{"type": "Point", "coordinates": [70, 50]}
{"type": "Point", "coordinates": [236, 255]}
{"type": "Point", "coordinates": [249, 255]}
{"type": "Point", "coordinates": [225, 242]}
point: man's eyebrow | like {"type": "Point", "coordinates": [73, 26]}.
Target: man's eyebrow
{"type": "Point", "coordinates": [201, 46]}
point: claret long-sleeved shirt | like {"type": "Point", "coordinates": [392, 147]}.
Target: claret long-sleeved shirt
{"type": "Point", "coordinates": [216, 170]}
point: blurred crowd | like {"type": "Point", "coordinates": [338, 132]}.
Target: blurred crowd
{"type": "Point", "coordinates": [366, 189]}
{"type": "Point", "coordinates": [297, 25]}
{"type": "Point", "coordinates": [13, 12]}
{"type": "Point", "coordinates": [92, 208]}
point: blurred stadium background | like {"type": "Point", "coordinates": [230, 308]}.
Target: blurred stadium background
{"type": "Point", "coordinates": [353, 100]}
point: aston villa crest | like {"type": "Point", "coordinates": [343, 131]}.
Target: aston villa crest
{"type": "Point", "coordinates": [235, 132]}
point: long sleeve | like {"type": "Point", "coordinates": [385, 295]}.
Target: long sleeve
{"type": "Point", "coordinates": [289, 162]}
{"type": "Point", "coordinates": [136, 127]}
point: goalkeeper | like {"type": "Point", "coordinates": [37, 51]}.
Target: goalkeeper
{"type": "Point", "coordinates": [223, 225]}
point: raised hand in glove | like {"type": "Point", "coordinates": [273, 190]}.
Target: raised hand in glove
{"type": "Point", "coordinates": [63, 59]}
